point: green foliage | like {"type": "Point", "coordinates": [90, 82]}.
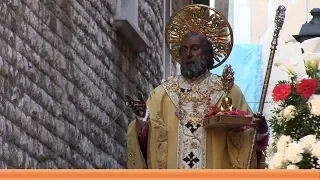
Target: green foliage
{"type": "Point", "coordinates": [301, 125]}
{"type": "Point", "coordinates": [318, 89]}
{"type": "Point", "coordinates": [309, 71]}
{"type": "Point", "coordinates": [307, 162]}
{"type": "Point", "coordinates": [295, 99]}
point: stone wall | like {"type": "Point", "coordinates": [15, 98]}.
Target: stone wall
{"type": "Point", "coordinates": [64, 74]}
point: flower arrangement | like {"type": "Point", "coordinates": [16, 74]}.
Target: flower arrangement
{"type": "Point", "coordinates": [295, 123]}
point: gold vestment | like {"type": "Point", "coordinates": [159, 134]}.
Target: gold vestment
{"type": "Point", "coordinates": [169, 143]}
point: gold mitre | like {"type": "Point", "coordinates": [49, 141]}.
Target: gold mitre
{"type": "Point", "coordinates": [204, 20]}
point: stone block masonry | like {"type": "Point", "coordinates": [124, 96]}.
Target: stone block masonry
{"type": "Point", "coordinates": [64, 74]}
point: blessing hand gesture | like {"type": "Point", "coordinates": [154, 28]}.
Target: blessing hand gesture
{"type": "Point", "coordinates": [138, 107]}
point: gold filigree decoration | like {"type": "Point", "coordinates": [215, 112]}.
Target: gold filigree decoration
{"type": "Point", "coordinates": [194, 95]}
{"type": "Point", "coordinates": [235, 149]}
{"type": "Point", "coordinates": [195, 118]}
{"type": "Point", "coordinates": [227, 79]}
{"type": "Point", "coordinates": [205, 20]}
{"type": "Point", "coordinates": [161, 141]}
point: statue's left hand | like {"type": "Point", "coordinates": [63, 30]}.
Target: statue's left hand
{"type": "Point", "coordinates": [260, 124]}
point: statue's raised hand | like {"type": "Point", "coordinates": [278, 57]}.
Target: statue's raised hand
{"type": "Point", "coordinates": [139, 107]}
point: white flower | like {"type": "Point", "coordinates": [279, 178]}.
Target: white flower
{"type": "Point", "coordinates": [277, 161]}
{"type": "Point", "coordinates": [311, 56]}
{"type": "Point", "coordinates": [314, 102]}
{"type": "Point", "coordinates": [272, 166]}
{"type": "Point", "coordinates": [318, 161]}
{"type": "Point", "coordinates": [292, 166]}
{"type": "Point", "coordinates": [307, 142]}
{"type": "Point", "coordinates": [311, 60]}
{"type": "Point", "coordinates": [286, 67]}
{"type": "Point", "coordinates": [293, 152]}
{"type": "Point", "coordinates": [316, 149]}
{"type": "Point", "coordinates": [289, 112]}
{"type": "Point", "coordinates": [283, 143]}
{"type": "Point", "coordinates": [311, 63]}
{"type": "Point", "coordinates": [280, 115]}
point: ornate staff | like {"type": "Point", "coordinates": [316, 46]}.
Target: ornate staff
{"type": "Point", "coordinates": [279, 19]}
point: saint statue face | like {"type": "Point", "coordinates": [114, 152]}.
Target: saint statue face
{"type": "Point", "coordinates": [194, 59]}
{"type": "Point", "coordinates": [191, 47]}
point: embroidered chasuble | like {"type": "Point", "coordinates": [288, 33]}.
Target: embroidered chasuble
{"type": "Point", "coordinates": [176, 138]}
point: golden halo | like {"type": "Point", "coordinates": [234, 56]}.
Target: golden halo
{"type": "Point", "coordinates": [205, 20]}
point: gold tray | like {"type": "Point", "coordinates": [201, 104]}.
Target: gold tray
{"type": "Point", "coordinates": [227, 121]}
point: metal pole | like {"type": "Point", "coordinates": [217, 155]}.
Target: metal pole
{"type": "Point", "coordinates": [279, 19]}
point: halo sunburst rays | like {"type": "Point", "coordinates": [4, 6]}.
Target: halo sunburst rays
{"type": "Point", "coordinates": [205, 20]}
